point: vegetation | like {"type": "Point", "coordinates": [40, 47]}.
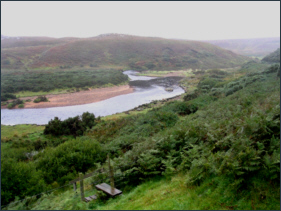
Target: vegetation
{"type": "Point", "coordinates": [209, 151]}
{"type": "Point", "coordinates": [7, 96]}
{"type": "Point", "coordinates": [72, 126]}
{"type": "Point", "coordinates": [35, 81]}
{"type": "Point", "coordinates": [14, 103]}
{"type": "Point", "coordinates": [124, 51]}
{"type": "Point", "coordinates": [40, 99]}
{"type": "Point", "coordinates": [274, 57]}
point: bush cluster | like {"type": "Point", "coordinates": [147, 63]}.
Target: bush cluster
{"type": "Point", "coordinates": [14, 103]}
{"type": "Point", "coordinates": [7, 96]}
{"type": "Point", "coordinates": [40, 99]}
{"type": "Point", "coordinates": [35, 81]}
{"type": "Point", "coordinates": [63, 163]}
{"type": "Point", "coordinates": [75, 126]}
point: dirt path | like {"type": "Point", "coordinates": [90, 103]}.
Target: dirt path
{"type": "Point", "coordinates": [79, 98]}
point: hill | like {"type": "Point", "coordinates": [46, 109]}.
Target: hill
{"type": "Point", "coordinates": [116, 50]}
{"type": "Point", "coordinates": [215, 148]}
{"type": "Point", "coordinates": [249, 47]}
{"type": "Point", "coordinates": [273, 57]}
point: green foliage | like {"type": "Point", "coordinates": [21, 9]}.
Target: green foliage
{"type": "Point", "coordinates": [7, 96]}
{"type": "Point", "coordinates": [273, 69]}
{"type": "Point", "coordinates": [40, 99]}
{"type": "Point", "coordinates": [19, 179]}
{"type": "Point", "coordinates": [75, 126]}
{"type": "Point", "coordinates": [207, 83]}
{"type": "Point", "coordinates": [88, 119]}
{"type": "Point", "coordinates": [63, 163]}
{"type": "Point", "coordinates": [181, 108]}
{"type": "Point", "coordinates": [253, 67]}
{"type": "Point", "coordinates": [190, 96]}
{"type": "Point", "coordinates": [35, 81]}
{"type": "Point", "coordinates": [14, 103]}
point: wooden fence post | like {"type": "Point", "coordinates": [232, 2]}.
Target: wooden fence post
{"type": "Point", "coordinates": [111, 175]}
{"type": "Point", "coordinates": [75, 187]}
{"type": "Point", "coordinates": [81, 186]}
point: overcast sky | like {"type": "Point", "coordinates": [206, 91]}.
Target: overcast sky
{"type": "Point", "coordinates": [182, 20]}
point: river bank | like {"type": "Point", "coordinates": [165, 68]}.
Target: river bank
{"type": "Point", "coordinates": [78, 98]}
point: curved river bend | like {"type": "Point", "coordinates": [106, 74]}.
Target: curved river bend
{"type": "Point", "coordinates": [146, 89]}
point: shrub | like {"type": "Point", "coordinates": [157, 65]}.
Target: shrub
{"type": "Point", "coordinates": [75, 126]}
{"type": "Point", "coordinates": [88, 119]}
{"type": "Point", "coordinates": [11, 105]}
{"type": "Point", "coordinates": [190, 96]}
{"type": "Point", "coordinates": [217, 72]}
{"type": "Point", "coordinates": [19, 179]}
{"type": "Point", "coordinates": [207, 83]}
{"type": "Point", "coordinates": [40, 99]}
{"type": "Point", "coordinates": [181, 108]}
{"type": "Point", "coordinates": [232, 90]}
{"type": "Point", "coordinates": [14, 103]}
{"type": "Point", "coordinates": [272, 69]}
{"type": "Point", "coordinates": [7, 96]}
{"type": "Point", "coordinates": [217, 91]}
{"type": "Point", "coordinates": [3, 98]}
{"type": "Point", "coordinates": [21, 105]}
{"type": "Point", "coordinates": [62, 163]}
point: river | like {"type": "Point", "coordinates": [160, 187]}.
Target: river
{"type": "Point", "coordinates": [146, 89]}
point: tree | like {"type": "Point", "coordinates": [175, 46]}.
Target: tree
{"type": "Point", "coordinates": [88, 119]}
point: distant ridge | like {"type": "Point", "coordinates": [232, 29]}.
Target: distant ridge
{"type": "Point", "coordinates": [258, 47]}
{"type": "Point", "coordinates": [124, 51]}
{"type": "Point", "coordinates": [273, 57]}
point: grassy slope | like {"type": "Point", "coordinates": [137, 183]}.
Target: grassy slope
{"type": "Point", "coordinates": [273, 57]}
{"type": "Point", "coordinates": [162, 194]}
{"type": "Point", "coordinates": [249, 47]}
{"type": "Point", "coordinates": [214, 192]}
{"type": "Point", "coordinates": [127, 51]}
{"type": "Point", "coordinates": [14, 131]}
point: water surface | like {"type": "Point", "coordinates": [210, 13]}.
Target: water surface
{"type": "Point", "coordinates": [146, 89]}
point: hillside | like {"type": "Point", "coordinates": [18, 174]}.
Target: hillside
{"type": "Point", "coordinates": [249, 47]}
{"type": "Point", "coordinates": [215, 148]}
{"type": "Point", "coordinates": [116, 50]}
{"type": "Point", "coordinates": [273, 57]}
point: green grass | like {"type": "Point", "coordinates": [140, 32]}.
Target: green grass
{"type": "Point", "coordinates": [19, 130]}
{"type": "Point", "coordinates": [214, 193]}
{"type": "Point", "coordinates": [161, 73]}
{"type": "Point", "coordinates": [32, 94]}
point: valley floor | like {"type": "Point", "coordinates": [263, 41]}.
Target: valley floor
{"type": "Point", "coordinates": [78, 98]}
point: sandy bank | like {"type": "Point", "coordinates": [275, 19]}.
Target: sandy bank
{"type": "Point", "coordinates": [79, 98]}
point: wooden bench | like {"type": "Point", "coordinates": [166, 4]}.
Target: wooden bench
{"type": "Point", "coordinates": [90, 198]}
{"type": "Point", "coordinates": [107, 189]}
